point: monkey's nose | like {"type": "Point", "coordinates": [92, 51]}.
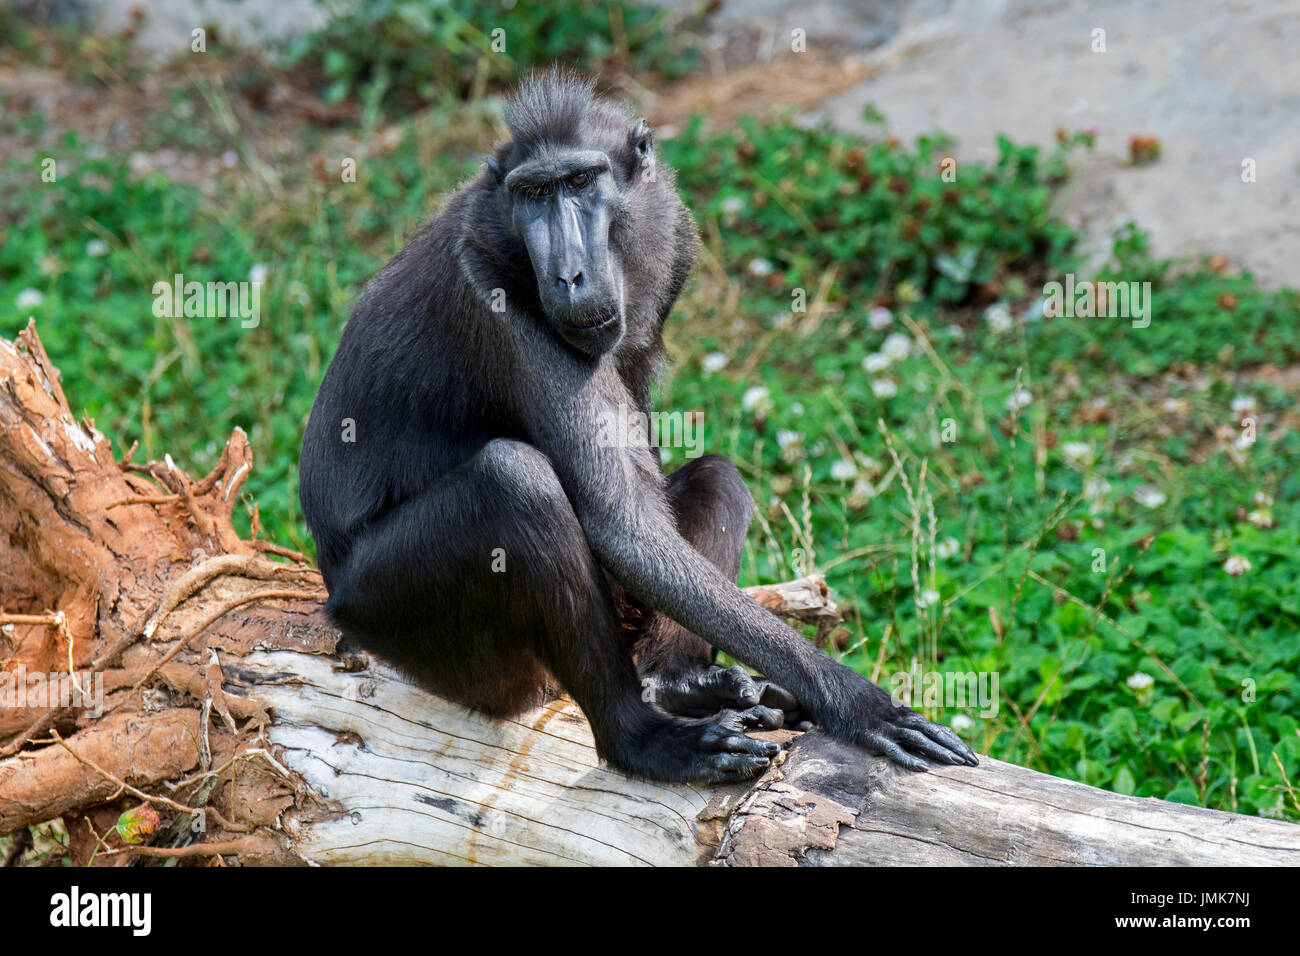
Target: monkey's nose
{"type": "Point", "coordinates": [571, 284]}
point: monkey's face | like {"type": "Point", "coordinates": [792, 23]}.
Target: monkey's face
{"type": "Point", "coordinates": [562, 203]}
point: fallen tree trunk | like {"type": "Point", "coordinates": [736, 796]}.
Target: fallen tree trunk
{"type": "Point", "coordinates": [214, 690]}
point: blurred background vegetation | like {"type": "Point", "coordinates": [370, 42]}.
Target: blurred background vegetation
{"type": "Point", "coordinates": [1073, 504]}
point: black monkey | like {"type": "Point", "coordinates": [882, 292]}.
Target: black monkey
{"type": "Point", "coordinates": [472, 525]}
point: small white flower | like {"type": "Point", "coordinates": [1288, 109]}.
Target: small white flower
{"type": "Point", "coordinates": [947, 548]}
{"type": "Point", "coordinates": [875, 362]}
{"type": "Point", "coordinates": [714, 361]}
{"type": "Point", "coordinates": [862, 492]}
{"type": "Point", "coordinates": [785, 437]}
{"type": "Point", "coordinates": [1095, 490]}
{"type": "Point", "coordinates": [1019, 399]}
{"type": "Point", "coordinates": [97, 248]}
{"type": "Point", "coordinates": [998, 316]}
{"type": "Point", "coordinates": [760, 267]}
{"type": "Point", "coordinates": [1263, 499]}
{"type": "Point", "coordinates": [1036, 310]}
{"type": "Point", "coordinates": [1242, 404]}
{"type": "Point", "coordinates": [1261, 518]}
{"type": "Point", "coordinates": [961, 722]}
{"type": "Point", "coordinates": [926, 598]}
{"type": "Point", "coordinates": [30, 298]}
{"type": "Point", "coordinates": [897, 347]}
{"type": "Point", "coordinates": [884, 387]}
{"type": "Point", "coordinates": [1174, 405]}
{"type": "Point", "coordinates": [844, 470]}
{"type": "Point", "coordinates": [1077, 453]}
{"type": "Point", "coordinates": [880, 318]}
{"type": "Point", "coordinates": [755, 397]}
{"type": "Point", "coordinates": [1243, 441]}
{"type": "Point", "coordinates": [229, 159]}
{"type": "Point", "coordinates": [732, 205]}
{"type": "Point", "coordinates": [1236, 565]}
{"type": "Point", "coordinates": [1149, 496]}
{"type": "Point", "coordinates": [665, 455]}
{"type": "Point", "coordinates": [1140, 681]}
{"type": "Point", "coordinates": [257, 274]}
{"type": "Point", "coordinates": [955, 331]}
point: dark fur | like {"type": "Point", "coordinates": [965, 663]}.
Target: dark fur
{"type": "Point", "coordinates": [475, 431]}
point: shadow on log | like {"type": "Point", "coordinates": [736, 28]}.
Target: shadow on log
{"type": "Point", "coordinates": [208, 685]}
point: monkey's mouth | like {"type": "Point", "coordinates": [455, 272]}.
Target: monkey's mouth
{"type": "Point", "coordinates": [592, 324]}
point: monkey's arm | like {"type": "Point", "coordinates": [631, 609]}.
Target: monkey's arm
{"type": "Point", "coordinates": [616, 490]}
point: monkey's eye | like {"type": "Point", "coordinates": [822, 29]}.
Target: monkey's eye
{"type": "Point", "coordinates": [537, 192]}
{"type": "Point", "coordinates": [578, 180]}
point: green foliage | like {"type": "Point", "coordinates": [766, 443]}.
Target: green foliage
{"type": "Point", "coordinates": [94, 243]}
{"type": "Point", "coordinates": [407, 52]}
{"type": "Point", "coordinates": [1079, 548]}
{"type": "Point", "coordinates": [882, 215]}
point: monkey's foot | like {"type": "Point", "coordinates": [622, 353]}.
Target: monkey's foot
{"type": "Point", "coordinates": [708, 690]}
{"type": "Point", "coordinates": [712, 749]}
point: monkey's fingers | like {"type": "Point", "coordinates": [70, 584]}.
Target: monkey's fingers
{"type": "Point", "coordinates": [774, 695]}
{"type": "Point", "coordinates": [936, 734]}
{"type": "Point", "coordinates": [700, 693]}
{"type": "Point", "coordinates": [917, 742]}
{"type": "Point", "coordinates": [769, 718]}
{"type": "Point", "coordinates": [889, 748]}
{"type": "Point", "coordinates": [733, 685]}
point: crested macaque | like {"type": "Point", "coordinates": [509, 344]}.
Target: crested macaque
{"type": "Point", "coordinates": [477, 532]}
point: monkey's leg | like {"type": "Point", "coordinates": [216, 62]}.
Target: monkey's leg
{"type": "Point", "coordinates": [474, 584]}
{"type": "Point", "coordinates": [713, 509]}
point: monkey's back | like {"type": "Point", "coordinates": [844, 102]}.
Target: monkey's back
{"type": "Point", "coordinates": [412, 391]}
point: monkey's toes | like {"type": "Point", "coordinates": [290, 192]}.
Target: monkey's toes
{"type": "Point", "coordinates": [727, 732]}
{"type": "Point", "coordinates": [728, 752]}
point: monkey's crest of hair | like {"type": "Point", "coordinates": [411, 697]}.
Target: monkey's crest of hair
{"type": "Point", "coordinates": [560, 108]}
{"type": "Point", "coordinates": [549, 108]}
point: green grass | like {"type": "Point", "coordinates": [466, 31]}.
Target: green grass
{"type": "Point", "coordinates": [1063, 592]}
{"type": "Point", "coordinates": [410, 52]}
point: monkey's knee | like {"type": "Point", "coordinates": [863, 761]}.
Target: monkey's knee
{"type": "Point", "coordinates": [710, 490]}
{"type": "Point", "coordinates": [532, 519]}
{"type": "Point", "coordinates": [520, 473]}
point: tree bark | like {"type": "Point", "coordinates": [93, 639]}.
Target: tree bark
{"type": "Point", "coordinates": [228, 705]}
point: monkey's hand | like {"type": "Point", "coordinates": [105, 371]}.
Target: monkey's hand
{"type": "Point", "coordinates": [697, 692]}
{"type": "Point", "coordinates": [884, 726]}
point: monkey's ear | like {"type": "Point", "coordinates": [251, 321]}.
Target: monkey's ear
{"type": "Point", "coordinates": [643, 140]}
{"type": "Point", "coordinates": [495, 167]}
